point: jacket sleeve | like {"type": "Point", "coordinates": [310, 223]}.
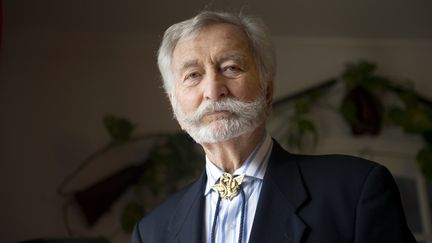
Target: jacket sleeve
{"type": "Point", "coordinates": [380, 216]}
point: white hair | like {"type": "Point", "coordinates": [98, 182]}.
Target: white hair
{"type": "Point", "coordinates": [255, 30]}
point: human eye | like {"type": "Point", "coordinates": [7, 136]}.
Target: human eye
{"type": "Point", "coordinates": [232, 70]}
{"type": "Point", "coordinates": [191, 77]}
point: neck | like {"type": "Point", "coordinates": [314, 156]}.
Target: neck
{"type": "Point", "coordinates": [230, 155]}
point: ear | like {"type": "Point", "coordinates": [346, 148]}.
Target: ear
{"type": "Point", "coordinates": [269, 94]}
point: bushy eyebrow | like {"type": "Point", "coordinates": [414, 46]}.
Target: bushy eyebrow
{"type": "Point", "coordinates": [234, 56]}
{"type": "Point", "coordinates": [189, 64]}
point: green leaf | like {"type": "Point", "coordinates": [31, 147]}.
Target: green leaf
{"type": "Point", "coordinates": [409, 98]}
{"type": "Point", "coordinates": [120, 129]}
{"type": "Point", "coordinates": [424, 159]}
{"type": "Point", "coordinates": [413, 120]}
{"type": "Point", "coordinates": [349, 112]}
{"type": "Point", "coordinates": [301, 131]}
{"type": "Point", "coordinates": [356, 73]}
{"type": "Point", "coordinates": [172, 164]}
{"type": "Point", "coordinates": [132, 213]}
{"type": "Point", "coordinates": [302, 106]}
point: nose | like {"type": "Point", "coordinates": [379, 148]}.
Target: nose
{"type": "Point", "coordinates": [215, 87]}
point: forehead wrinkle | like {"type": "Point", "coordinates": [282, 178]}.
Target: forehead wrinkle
{"type": "Point", "coordinates": [188, 64]}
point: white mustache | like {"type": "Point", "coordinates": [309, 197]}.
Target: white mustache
{"type": "Point", "coordinates": [230, 105]}
{"type": "Point", "coordinates": [244, 109]}
{"type": "Point", "coordinates": [246, 116]}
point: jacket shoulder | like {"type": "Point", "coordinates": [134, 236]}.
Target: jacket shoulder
{"type": "Point", "coordinates": [326, 176]}
{"type": "Point", "coordinates": [339, 166]}
{"type": "Point", "coordinates": [329, 167]}
{"type": "Point", "coordinates": [342, 178]}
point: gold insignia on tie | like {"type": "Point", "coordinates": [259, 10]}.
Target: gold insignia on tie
{"type": "Point", "coordinates": [228, 186]}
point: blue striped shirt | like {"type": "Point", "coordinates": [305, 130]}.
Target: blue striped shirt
{"type": "Point", "coordinates": [228, 223]}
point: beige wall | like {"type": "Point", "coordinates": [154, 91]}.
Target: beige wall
{"type": "Point", "coordinates": [303, 61]}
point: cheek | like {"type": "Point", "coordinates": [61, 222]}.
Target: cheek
{"type": "Point", "coordinates": [248, 89]}
{"type": "Point", "coordinates": [187, 101]}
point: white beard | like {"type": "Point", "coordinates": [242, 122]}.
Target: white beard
{"type": "Point", "coordinates": [244, 117]}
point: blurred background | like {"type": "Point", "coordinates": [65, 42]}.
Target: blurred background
{"type": "Point", "coordinates": [65, 65]}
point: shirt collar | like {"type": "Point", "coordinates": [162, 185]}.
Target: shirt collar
{"type": "Point", "coordinates": [254, 166]}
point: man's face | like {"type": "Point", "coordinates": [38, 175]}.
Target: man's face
{"type": "Point", "coordinates": [218, 94]}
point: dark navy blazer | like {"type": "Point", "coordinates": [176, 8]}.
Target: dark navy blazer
{"type": "Point", "coordinates": [308, 199]}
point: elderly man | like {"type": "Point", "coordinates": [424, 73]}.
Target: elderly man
{"type": "Point", "coordinates": [218, 72]}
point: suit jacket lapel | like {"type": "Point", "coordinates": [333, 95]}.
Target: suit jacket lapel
{"type": "Point", "coordinates": [282, 195]}
{"type": "Point", "coordinates": [186, 224]}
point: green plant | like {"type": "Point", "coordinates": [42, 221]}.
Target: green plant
{"type": "Point", "coordinates": [414, 116]}
{"type": "Point", "coordinates": [301, 129]}
{"type": "Point", "coordinates": [173, 161]}
{"type": "Point", "coordinates": [170, 165]}
{"type": "Point", "coordinates": [361, 106]}
{"type": "Point", "coordinates": [120, 129]}
{"type": "Point", "coordinates": [367, 111]}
